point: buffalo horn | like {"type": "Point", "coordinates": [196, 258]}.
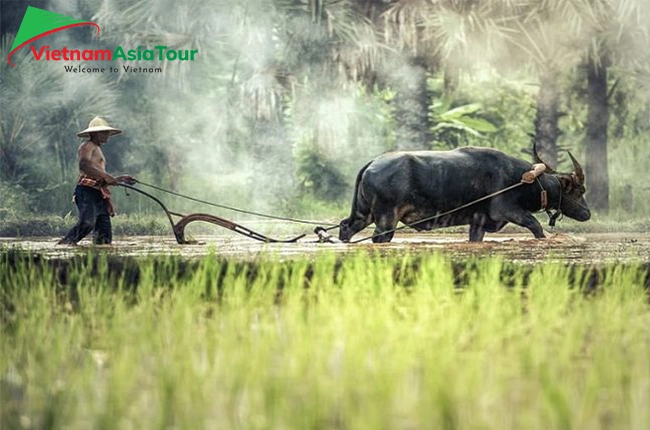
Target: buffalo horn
{"type": "Point", "coordinates": [578, 169]}
{"type": "Point", "coordinates": [537, 159]}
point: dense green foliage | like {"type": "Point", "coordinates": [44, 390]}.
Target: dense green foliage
{"type": "Point", "coordinates": [364, 342]}
{"type": "Point", "coordinates": [287, 100]}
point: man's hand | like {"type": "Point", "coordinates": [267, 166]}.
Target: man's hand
{"type": "Point", "coordinates": [110, 180]}
{"type": "Point", "coordinates": [126, 179]}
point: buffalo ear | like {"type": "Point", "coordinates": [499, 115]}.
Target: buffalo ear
{"type": "Point", "coordinates": [567, 182]}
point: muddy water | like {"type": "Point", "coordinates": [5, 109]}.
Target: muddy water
{"type": "Point", "coordinates": [587, 248]}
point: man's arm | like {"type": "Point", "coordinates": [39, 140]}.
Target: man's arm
{"type": "Point", "coordinates": [87, 165]}
{"type": "Point", "coordinates": [126, 179]}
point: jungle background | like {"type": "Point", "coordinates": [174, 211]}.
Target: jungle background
{"type": "Point", "coordinates": [289, 98]}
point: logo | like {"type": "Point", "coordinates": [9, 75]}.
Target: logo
{"type": "Point", "coordinates": [38, 23]}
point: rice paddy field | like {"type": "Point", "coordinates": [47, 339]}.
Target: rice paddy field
{"type": "Point", "coordinates": [440, 336]}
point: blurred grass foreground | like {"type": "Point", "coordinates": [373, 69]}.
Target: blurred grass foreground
{"type": "Point", "coordinates": [365, 342]}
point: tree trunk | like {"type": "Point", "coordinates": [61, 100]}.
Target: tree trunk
{"type": "Point", "coordinates": [596, 145]}
{"type": "Point", "coordinates": [411, 106]}
{"type": "Point", "coordinates": [546, 120]}
{"type": "Point", "coordinates": [450, 79]}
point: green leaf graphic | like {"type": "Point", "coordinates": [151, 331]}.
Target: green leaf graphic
{"type": "Point", "coordinates": [38, 21]}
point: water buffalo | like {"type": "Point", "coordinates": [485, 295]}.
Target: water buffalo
{"type": "Point", "coordinates": [412, 186]}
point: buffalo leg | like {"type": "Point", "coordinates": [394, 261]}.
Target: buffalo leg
{"type": "Point", "coordinates": [481, 225]}
{"type": "Point", "coordinates": [476, 233]}
{"type": "Point", "coordinates": [476, 230]}
{"type": "Point", "coordinates": [525, 219]}
{"type": "Point", "coordinates": [494, 226]}
{"type": "Point", "coordinates": [386, 222]}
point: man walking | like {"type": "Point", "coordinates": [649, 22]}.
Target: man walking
{"type": "Point", "coordinates": [91, 195]}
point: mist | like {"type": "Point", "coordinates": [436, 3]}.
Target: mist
{"type": "Point", "coordinates": [277, 83]}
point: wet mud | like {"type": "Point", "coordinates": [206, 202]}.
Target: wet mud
{"type": "Point", "coordinates": [583, 249]}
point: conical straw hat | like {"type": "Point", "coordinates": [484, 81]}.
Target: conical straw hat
{"type": "Point", "coordinates": [98, 124]}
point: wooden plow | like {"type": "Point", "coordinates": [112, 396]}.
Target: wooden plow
{"type": "Point", "coordinates": [178, 227]}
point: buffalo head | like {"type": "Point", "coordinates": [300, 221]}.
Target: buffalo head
{"type": "Point", "coordinates": [572, 201]}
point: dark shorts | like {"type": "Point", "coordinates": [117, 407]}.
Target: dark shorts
{"type": "Point", "coordinates": [93, 217]}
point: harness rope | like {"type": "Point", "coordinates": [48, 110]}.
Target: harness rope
{"type": "Point", "coordinates": [553, 217]}
{"type": "Point", "coordinates": [300, 221]}
{"type": "Point", "coordinates": [489, 196]}
{"type": "Point", "coordinates": [321, 230]}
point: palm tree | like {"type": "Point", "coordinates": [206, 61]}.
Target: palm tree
{"type": "Point", "coordinates": [604, 32]}
{"type": "Point", "coordinates": [447, 36]}
{"type": "Point", "coordinates": [539, 43]}
{"type": "Point", "coordinates": [40, 111]}
{"type": "Point", "coordinates": [258, 58]}
{"type": "Point", "coordinates": [559, 36]}
{"type": "Point", "coordinates": [621, 29]}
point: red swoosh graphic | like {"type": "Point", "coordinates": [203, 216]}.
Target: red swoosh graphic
{"type": "Point", "coordinates": [47, 34]}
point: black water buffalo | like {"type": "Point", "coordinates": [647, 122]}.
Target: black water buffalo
{"type": "Point", "coordinates": [412, 186]}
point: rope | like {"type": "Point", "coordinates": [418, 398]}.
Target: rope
{"type": "Point", "coordinates": [489, 196]}
{"type": "Point", "coordinates": [553, 217]}
{"type": "Point", "coordinates": [300, 221]}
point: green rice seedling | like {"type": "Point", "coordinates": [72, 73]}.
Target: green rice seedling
{"type": "Point", "coordinates": [356, 342]}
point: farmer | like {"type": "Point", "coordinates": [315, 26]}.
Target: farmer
{"type": "Point", "coordinates": [92, 197]}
